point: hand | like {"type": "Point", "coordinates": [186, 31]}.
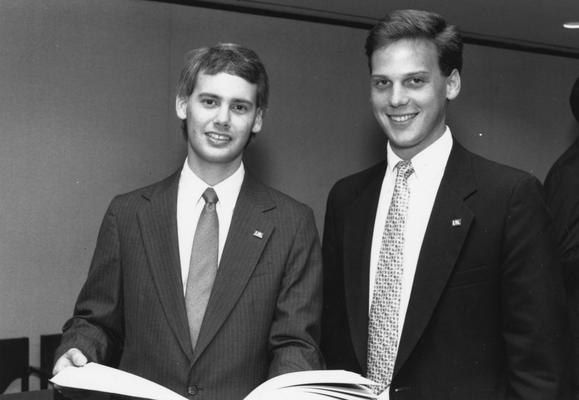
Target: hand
{"type": "Point", "coordinates": [72, 358]}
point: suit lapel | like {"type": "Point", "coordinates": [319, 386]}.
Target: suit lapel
{"type": "Point", "coordinates": [158, 224]}
{"type": "Point", "coordinates": [248, 235]}
{"type": "Point", "coordinates": [441, 246]}
{"type": "Point", "coordinates": [359, 226]}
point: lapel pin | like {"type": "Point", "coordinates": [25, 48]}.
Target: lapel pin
{"type": "Point", "coordinates": [457, 222]}
{"type": "Point", "coordinates": [258, 234]}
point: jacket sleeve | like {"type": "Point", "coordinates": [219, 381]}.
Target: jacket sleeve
{"type": "Point", "coordinates": [96, 325]}
{"type": "Point", "coordinates": [295, 329]}
{"type": "Point", "coordinates": [336, 343]}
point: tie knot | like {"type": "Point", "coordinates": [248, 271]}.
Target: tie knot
{"type": "Point", "coordinates": [405, 168]}
{"type": "Point", "coordinates": [210, 196]}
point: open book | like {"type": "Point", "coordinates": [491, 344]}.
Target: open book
{"type": "Point", "coordinates": [303, 385]}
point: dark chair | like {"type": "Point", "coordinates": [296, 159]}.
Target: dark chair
{"type": "Point", "coordinates": [14, 362]}
{"type": "Point", "coordinates": [48, 345]}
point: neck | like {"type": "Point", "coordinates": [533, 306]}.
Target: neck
{"type": "Point", "coordinates": [214, 173]}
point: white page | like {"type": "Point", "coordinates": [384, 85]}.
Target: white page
{"type": "Point", "coordinates": [316, 377]}
{"type": "Point", "coordinates": [289, 393]}
{"type": "Point", "coordinates": [333, 394]}
{"type": "Point", "coordinates": [101, 378]}
{"type": "Point", "coordinates": [355, 391]}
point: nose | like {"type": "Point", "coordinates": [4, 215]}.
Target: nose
{"type": "Point", "coordinates": [223, 117]}
{"type": "Point", "coordinates": [398, 96]}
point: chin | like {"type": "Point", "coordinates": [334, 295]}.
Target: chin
{"type": "Point", "coordinates": [403, 142]}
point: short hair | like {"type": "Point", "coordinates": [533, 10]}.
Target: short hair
{"type": "Point", "coordinates": [230, 58]}
{"type": "Point", "coordinates": [574, 99]}
{"type": "Point", "coordinates": [418, 24]}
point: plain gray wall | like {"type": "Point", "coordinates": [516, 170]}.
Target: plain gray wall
{"type": "Point", "coordinates": [87, 112]}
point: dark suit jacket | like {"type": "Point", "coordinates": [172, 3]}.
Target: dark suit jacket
{"type": "Point", "coordinates": [263, 315]}
{"type": "Point", "coordinates": [562, 195]}
{"type": "Point", "coordinates": [485, 317]}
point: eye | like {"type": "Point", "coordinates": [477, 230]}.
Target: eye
{"type": "Point", "coordinates": [416, 82]}
{"type": "Point", "coordinates": [240, 108]}
{"type": "Point", "coordinates": [381, 83]}
{"type": "Point", "coordinates": [208, 102]}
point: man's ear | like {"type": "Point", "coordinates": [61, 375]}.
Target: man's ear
{"type": "Point", "coordinates": [453, 84]}
{"type": "Point", "coordinates": [258, 121]}
{"type": "Point", "coordinates": [181, 107]}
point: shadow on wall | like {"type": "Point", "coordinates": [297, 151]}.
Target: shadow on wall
{"type": "Point", "coordinates": [258, 160]}
{"type": "Point", "coordinates": [374, 145]}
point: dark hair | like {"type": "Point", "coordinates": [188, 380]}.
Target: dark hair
{"type": "Point", "coordinates": [230, 58]}
{"type": "Point", "coordinates": [417, 24]}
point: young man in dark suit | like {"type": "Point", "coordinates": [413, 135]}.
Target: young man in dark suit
{"type": "Point", "coordinates": [207, 282]}
{"type": "Point", "coordinates": [440, 280]}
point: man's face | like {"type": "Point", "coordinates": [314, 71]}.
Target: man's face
{"type": "Point", "coordinates": [221, 113]}
{"type": "Point", "coordinates": [409, 94]}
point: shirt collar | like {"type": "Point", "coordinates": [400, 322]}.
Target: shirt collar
{"type": "Point", "coordinates": [227, 190]}
{"type": "Point", "coordinates": [428, 161]}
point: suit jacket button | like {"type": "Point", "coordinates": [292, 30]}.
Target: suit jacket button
{"type": "Point", "coordinates": [193, 390]}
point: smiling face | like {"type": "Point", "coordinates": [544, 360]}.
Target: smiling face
{"type": "Point", "coordinates": [221, 113]}
{"type": "Point", "coordinates": [409, 94]}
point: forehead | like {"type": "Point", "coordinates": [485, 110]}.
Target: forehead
{"type": "Point", "coordinates": [405, 56]}
{"type": "Point", "coordinates": [225, 86]}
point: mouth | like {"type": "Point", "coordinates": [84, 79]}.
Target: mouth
{"type": "Point", "coordinates": [218, 137]}
{"type": "Point", "coordinates": [402, 118]}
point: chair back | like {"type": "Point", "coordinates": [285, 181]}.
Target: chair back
{"type": "Point", "coordinates": [48, 346]}
{"type": "Point", "coordinates": [14, 362]}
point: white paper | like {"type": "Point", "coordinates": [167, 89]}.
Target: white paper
{"type": "Point", "coordinates": [289, 385]}
{"type": "Point", "coordinates": [303, 385]}
{"type": "Point", "coordinates": [101, 378]}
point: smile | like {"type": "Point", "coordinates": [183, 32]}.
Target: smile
{"type": "Point", "coordinates": [219, 137]}
{"type": "Point", "coordinates": [402, 117]}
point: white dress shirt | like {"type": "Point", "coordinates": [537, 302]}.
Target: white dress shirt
{"type": "Point", "coordinates": [429, 167]}
{"type": "Point", "coordinates": [190, 203]}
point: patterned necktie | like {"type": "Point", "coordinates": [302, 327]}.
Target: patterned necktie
{"type": "Point", "coordinates": [203, 264]}
{"type": "Point", "coordinates": [384, 311]}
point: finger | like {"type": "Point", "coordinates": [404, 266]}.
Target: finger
{"type": "Point", "coordinates": [77, 357]}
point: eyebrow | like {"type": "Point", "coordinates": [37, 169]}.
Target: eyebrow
{"type": "Point", "coordinates": [233, 100]}
{"type": "Point", "coordinates": [407, 75]}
